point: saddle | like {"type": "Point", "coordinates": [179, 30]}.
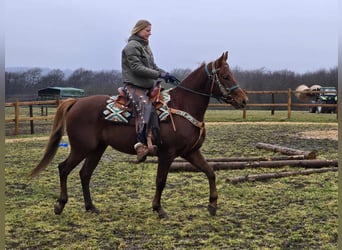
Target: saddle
{"type": "Point", "coordinates": [154, 95]}
{"type": "Point", "coordinates": [119, 107]}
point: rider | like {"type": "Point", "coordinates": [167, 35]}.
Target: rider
{"type": "Point", "coordinates": [139, 74]}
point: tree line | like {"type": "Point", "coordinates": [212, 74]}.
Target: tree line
{"type": "Point", "coordinates": [24, 85]}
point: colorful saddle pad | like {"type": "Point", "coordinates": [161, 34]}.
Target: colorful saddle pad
{"type": "Point", "coordinates": [117, 112]}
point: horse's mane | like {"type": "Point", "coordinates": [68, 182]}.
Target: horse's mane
{"type": "Point", "coordinates": [202, 64]}
{"type": "Point", "coordinates": [193, 72]}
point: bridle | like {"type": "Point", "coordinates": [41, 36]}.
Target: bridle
{"type": "Point", "coordinates": [213, 79]}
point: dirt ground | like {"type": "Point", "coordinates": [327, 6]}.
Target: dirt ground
{"type": "Point", "coordinates": [15, 140]}
{"type": "Point", "coordinates": [329, 134]}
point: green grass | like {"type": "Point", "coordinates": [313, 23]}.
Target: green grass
{"type": "Point", "coordinates": [231, 115]}
{"type": "Point", "coordinates": [289, 213]}
{"type": "Point", "coordinates": [219, 115]}
{"type": "Point", "coordinates": [266, 116]}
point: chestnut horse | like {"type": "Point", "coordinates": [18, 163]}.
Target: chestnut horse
{"type": "Point", "coordinates": [183, 135]}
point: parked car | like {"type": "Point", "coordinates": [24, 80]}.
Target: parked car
{"type": "Point", "coordinates": [328, 95]}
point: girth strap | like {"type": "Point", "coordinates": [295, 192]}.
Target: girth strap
{"type": "Point", "coordinates": [191, 119]}
{"type": "Point", "coordinates": [187, 116]}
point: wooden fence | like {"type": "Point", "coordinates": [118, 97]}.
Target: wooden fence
{"type": "Point", "coordinates": [289, 105]}
{"type": "Point", "coordinates": [44, 115]}
{"type": "Point", "coordinates": [17, 118]}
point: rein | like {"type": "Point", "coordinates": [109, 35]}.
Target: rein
{"type": "Point", "coordinates": [177, 83]}
{"type": "Point", "coordinates": [213, 79]}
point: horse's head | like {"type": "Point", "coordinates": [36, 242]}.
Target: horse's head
{"type": "Point", "coordinates": [224, 85]}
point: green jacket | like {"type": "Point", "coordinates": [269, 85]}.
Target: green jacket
{"type": "Point", "coordinates": [137, 62]}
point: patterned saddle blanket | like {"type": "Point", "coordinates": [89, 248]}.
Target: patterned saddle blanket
{"type": "Point", "coordinates": [118, 108]}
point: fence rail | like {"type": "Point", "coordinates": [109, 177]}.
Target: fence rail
{"type": "Point", "coordinates": [17, 118]}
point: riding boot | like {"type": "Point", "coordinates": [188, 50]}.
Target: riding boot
{"type": "Point", "coordinates": [142, 151]}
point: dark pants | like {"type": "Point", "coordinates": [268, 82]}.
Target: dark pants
{"type": "Point", "coordinates": [145, 113]}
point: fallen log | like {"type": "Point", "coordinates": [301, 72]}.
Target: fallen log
{"type": "Point", "coordinates": [286, 150]}
{"type": "Point", "coordinates": [267, 176]}
{"type": "Point", "coordinates": [185, 166]}
{"type": "Point", "coordinates": [239, 159]}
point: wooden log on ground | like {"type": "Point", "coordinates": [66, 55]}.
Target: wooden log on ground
{"type": "Point", "coordinates": [286, 150]}
{"type": "Point", "coordinates": [267, 176]}
{"type": "Point", "coordinates": [185, 166]}
{"type": "Point", "coordinates": [240, 159]}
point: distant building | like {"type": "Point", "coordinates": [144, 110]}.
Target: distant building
{"type": "Point", "coordinates": [52, 93]}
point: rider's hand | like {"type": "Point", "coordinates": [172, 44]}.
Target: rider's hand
{"type": "Point", "coordinates": [164, 75]}
{"type": "Point", "coordinates": [167, 77]}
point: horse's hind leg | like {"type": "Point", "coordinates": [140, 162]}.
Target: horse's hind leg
{"type": "Point", "coordinates": [196, 158]}
{"type": "Point", "coordinates": [64, 170]}
{"type": "Point", "coordinates": [162, 172]}
{"type": "Point", "coordinates": [86, 173]}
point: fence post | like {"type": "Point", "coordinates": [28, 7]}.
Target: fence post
{"type": "Point", "coordinates": [244, 111]}
{"type": "Point", "coordinates": [31, 120]}
{"type": "Point", "coordinates": [289, 103]}
{"type": "Point", "coordinates": [42, 108]}
{"type": "Point", "coordinates": [272, 109]}
{"type": "Point", "coordinates": [58, 101]}
{"type": "Point", "coordinates": [16, 117]}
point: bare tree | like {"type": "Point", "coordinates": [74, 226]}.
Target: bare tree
{"type": "Point", "coordinates": [32, 76]}
{"type": "Point", "coordinates": [107, 82]}
{"type": "Point", "coordinates": [53, 78]}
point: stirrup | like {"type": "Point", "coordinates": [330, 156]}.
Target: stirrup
{"type": "Point", "coordinates": [142, 151]}
{"type": "Point", "coordinates": [153, 151]}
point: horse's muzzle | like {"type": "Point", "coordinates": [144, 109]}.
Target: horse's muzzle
{"type": "Point", "coordinates": [239, 105]}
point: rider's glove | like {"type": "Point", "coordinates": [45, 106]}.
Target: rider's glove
{"type": "Point", "coordinates": [167, 77]}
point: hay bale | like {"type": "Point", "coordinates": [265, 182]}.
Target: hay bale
{"type": "Point", "coordinates": [302, 93]}
{"type": "Point", "coordinates": [315, 87]}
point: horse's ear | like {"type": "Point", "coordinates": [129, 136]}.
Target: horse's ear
{"type": "Point", "coordinates": [222, 59]}
{"type": "Point", "coordinates": [224, 56]}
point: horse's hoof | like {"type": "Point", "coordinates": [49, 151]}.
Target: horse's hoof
{"type": "Point", "coordinates": [59, 207]}
{"type": "Point", "coordinates": [93, 209]}
{"type": "Point", "coordinates": [163, 215]}
{"type": "Point", "coordinates": [212, 210]}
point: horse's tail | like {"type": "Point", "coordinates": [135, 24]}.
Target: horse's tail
{"type": "Point", "coordinates": [55, 136]}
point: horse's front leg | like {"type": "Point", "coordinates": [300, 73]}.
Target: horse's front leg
{"type": "Point", "coordinates": [196, 158]}
{"type": "Point", "coordinates": [162, 172]}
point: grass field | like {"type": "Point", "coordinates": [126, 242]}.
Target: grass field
{"type": "Point", "coordinates": [266, 116]}
{"type": "Point", "coordinates": [229, 115]}
{"type": "Point", "coordinates": [288, 213]}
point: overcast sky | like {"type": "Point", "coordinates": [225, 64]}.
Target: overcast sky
{"type": "Point", "coordinates": [297, 35]}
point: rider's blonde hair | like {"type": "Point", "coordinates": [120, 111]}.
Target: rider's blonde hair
{"type": "Point", "coordinates": [140, 25]}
